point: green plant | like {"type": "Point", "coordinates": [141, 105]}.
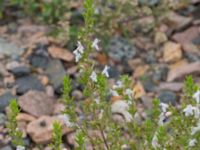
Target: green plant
{"type": "Point", "coordinates": [166, 126]}
{"type": "Point", "coordinates": [47, 11]}
{"type": "Point", "coordinates": [13, 130]}
{"type": "Point", "coordinates": [57, 136]}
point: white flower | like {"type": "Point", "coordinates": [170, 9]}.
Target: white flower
{"type": "Point", "coordinates": [95, 44]}
{"type": "Point", "coordinates": [105, 71]}
{"type": "Point", "coordinates": [114, 93]}
{"type": "Point", "coordinates": [97, 100]}
{"type": "Point", "coordinates": [188, 110]}
{"type": "Point", "coordinates": [119, 84]}
{"type": "Point", "coordinates": [192, 142]}
{"type": "Point", "coordinates": [65, 119]}
{"type": "Point", "coordinates": [164, 107]}
{"type": "Point", "coordinates": [154, 141]}
{"type": "Point", "coordinates": [80, 47]}
{"type": "Point", "coordinates": [77, 55]}
{"type": "Point", "coordinates": [78, 51]}
{"type": "Point", "coordinates": [161, 119]}
{"type": "Point", "coordinates": [101, 114]}
{"type": "Point", "coordinates": [129, 92]}
{"type": "Point", "coordinates": [122, 108]}
{"type": "Point", "coordinates": [93, 76]}
{"type": "Point", "coordinates": [196, 96]}
{"type": "Point", "coordinates": [19, 147]}
{"type": "Point", "coordinates": [195, 129]}
{"type": "Point", "coordinates": [97, 11]}
{"type": "Point", "coordinates": [196, 112]}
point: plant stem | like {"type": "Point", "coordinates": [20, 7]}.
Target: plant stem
{"type": "Point", "coordinates": [104, 138]}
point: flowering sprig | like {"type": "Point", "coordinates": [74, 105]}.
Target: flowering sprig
{"type": "Point", "coordinates": [157, 131]}
{"type": "Point", "coordinates": [78, 52]}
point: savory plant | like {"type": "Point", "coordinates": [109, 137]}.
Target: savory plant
{"type": "Point", "coordinates": [166, 127]}
{"type": "Point", "coordinates": [13, 129]}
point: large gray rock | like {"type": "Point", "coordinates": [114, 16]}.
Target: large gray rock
{"type": "Point", "coordinates": [27, 83]}
{"type": "Point", "coordinates": [9, 49]}
{"type": "Point", "coordinates": [4, 100]}
{"type": "Point", "coordinates": [39, 61]}
{"type": "Point", "coordinates": [176, 21]}
{"type": "Point", "coordinates": [168, 97]}
{"type": "Point", "coordinates": [36, 103]}
{"type": "Point", "coordinates": [55, 70]}
{"type": "Point", "coordinates": [121, 49]}
{"type": "Point", "coordinates": [20, 71]}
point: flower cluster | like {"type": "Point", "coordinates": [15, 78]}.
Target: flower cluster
{"type": "Point", "coordinates": [190, 111]}
{"type": "Point", "coordinates": [78, 52]}
{"type": "Point", "coordinates": [20, 147]}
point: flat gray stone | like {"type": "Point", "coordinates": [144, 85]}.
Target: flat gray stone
{"type": "Point", "coordinates": [6, 148]}
{"type": "Point", "coordinates": [9, 49]}
{"type": "Point", "coordinates": [27, 83]}
{"type": "Point", "coordinates": [3, 119]}
{"type": "Point", "coordinates": [167, 97]}
{"type": "Point", "coordinates": [4, 100]}
{"type": "Point", "coordinates": [56, 72]}
{"type": "Point", "coordinates": [20, 71]}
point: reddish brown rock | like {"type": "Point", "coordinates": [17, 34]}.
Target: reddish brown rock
{"type": "Point", "coordinates": [191, 48]}
{"type": "Point", "coordinates": [172, 52]}
{"type": "Point", "coordinates": [138, 90]}
{"type": "Point", "coordinates": [183, 71]}
{"type": "Point", "coordinates": [140, 70]}
{"type": "Point", "coordinates": [44, 80]}
{"type": "Point", "coordinates": [25, 117]}
{"type": "Point", "coordinates": [178, 64]}
{"type": "Point", "coordinates": [41, 129]}
{"type": "Point", "coordinates": [172, 86]}
{"type": "Point", "coordinates": [36, 103]}
{"type": "Point", "coordinates": [160, 37]}
{"type": "Point", "coordinates": [144, 43]}
{"type": "Point", "coordinates": [186, 36]}
{"type": "Point", "coordinates": [60, 53]}
{"type": "Point", "coordinates": [177, 22]}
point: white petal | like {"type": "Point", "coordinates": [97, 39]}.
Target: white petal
{"type": "Point", "coordinates": [188, 110]}
{"type": "Point", "coordinates": [97, 100]}
{"type": "Point", "coordinates": [196, 96]}
{"type": "Point", "coordinates": [105, 71]}
{"type": "Point", "coordinates": [20, 147]}
{"type": "Point", "coordinates": [195, 129]}
{"type": "Point", "coordinates": [192, 142]}
{"type": "Point", "coordinates": [65, 119]}
{"type": "Point", "coordinates": [155, 141]}
{"type": "Point", "coordinates": [80, 47]}
{"type": "Point", "coordinates": [196, 112]}
{"type": "Point", "coordinates": [93, 76]}
{"type": "Point", "coordinates": [114, 93]}
{"type": "Point", "coordinates": [164, 107]}
{"type": "Point", "coordinates": [95, 44]}
{"type": "Point", "coordinates": [161, 119]}
{"type": "Point", "coordinates": [129, 92]}
{"type": "Point", "coordinates": [77, 55]}
{"type": "Point", "coordinates": [119, 84]}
